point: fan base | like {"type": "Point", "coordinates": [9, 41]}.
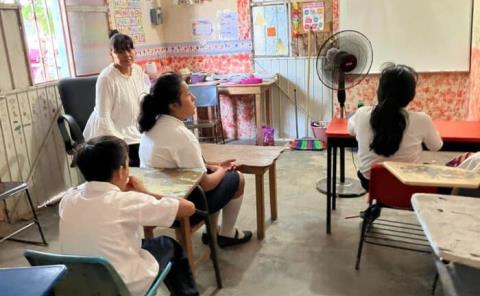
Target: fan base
{"type": "Point", "coordinates": [350, 188]}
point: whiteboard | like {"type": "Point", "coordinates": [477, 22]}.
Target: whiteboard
{"type": "Point", "coordinates": [428, 35]}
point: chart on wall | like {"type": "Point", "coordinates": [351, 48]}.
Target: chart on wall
{"type": "Point", "coordinates": [128, 18]}
{"type": "Point", "coordinates": [270, 30]}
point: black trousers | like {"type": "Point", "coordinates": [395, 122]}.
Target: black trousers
{"type": "Point", "coordinates": [179, 280]}
{"type": "Point", "coordinates": [363, 181]}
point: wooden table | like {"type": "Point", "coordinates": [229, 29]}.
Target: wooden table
{"type": "Point", "coordinates": [254, 160]}
{"type": "Point", "coordinates": [452, 226]}
{"type": "Point", "coordinates": [30, 281]}
{"type": "Point", "coordinates": [177, 183]}
{"type": "Point", "coordinates": [456, 136]}
{"type": "Point", "coordinates": [257, 90]}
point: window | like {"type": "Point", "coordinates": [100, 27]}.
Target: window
{"type": "Point", "coordinates": [46, 51]}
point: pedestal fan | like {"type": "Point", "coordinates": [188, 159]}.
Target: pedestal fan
{"type": "Point", "coordinates": [343, 61]}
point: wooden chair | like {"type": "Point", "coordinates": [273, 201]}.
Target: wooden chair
{"type": "Point", "coordinates": [11, 189]}
{"type": "Point", "coordinates": [207, 98]}
{"type": "Point", "coordinates": [89, 275]}
{"type": "Point", "coordinates": [386, 191]}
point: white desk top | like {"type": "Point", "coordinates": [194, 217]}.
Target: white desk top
{"type": "Point", "coordinates": [452, 226]}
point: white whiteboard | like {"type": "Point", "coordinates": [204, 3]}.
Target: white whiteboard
{"type": "Point", "coordinates": [428, 35]}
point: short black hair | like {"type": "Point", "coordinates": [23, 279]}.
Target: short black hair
{"type": "Point", "coordinates": [120, 42]}
{"type": "Point", "coordinates": [99, 157]}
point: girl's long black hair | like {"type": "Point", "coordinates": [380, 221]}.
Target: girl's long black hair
{"type": "Point", "coordinates": [165, 91]}
{"type": "Point", "coordinates": [388, 120]}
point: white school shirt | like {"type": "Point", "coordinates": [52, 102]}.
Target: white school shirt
{"type": "Point", "coordinates": [170, 144]}
{"type": "Point", "coordinates": [117, 104]}
{"type": "Point", "coordinates": [419, 129]}
{"type": "Point", "coordinates": [97, 219]}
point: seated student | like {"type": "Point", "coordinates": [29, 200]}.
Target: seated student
{"type": "Point", "coordinates": [388, 131]}
{"type": "Point", "coordinates": [105, 215]}
{"type": "Point", "coordinates": [167, 143]}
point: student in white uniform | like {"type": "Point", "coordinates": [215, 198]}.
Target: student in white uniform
{"type": "Point", "coordinates": [105, 215]}
{"type": "Point", "coordinates": [388, 131]}
{"type": "Point", "coordinates": [119, 89]}
{"type": "Point", "coordinates": [167, 143]}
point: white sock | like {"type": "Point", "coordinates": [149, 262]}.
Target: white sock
{"type": "Point", "coordinates": [229, 217]}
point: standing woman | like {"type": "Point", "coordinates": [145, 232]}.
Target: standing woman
{"type": "Point", "coordinates": [118, 92]}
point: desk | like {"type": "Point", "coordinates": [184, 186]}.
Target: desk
{"type": "Point", "coordinates": [177, 183]}
{"type": "Point", "coordinates": [452, 227]}
{"type": "Point", "coordinates": [457, 136]}
{"type": "Point", "coordinates": [257, 90]}
{"type": "Point", "coordinates": [251, 160]}
{"type": "Point", "coordinates": [30, 281]}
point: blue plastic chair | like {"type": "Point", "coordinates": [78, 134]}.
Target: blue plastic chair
{"type": "Point", "coordinates": [89, 275]}
{"type": "Point", "coordinates": [207, 98]}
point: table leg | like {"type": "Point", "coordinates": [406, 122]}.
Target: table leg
{"type": "Point", "coordinates": [268, 106]}
{"type": "Point", "coordinates": [260, 206]}
{"type": "Point", "coordinates": [272, 180]}
{"type": "Point", "coordinates": [258, 117]}
{"type": "Point", "coordinates": [334, 179]}
{"type": "Point", "coordinates": [342, 165]}
{"type": "Point", "coordinates": [329, 187]}
{"type": "Point", "coordinates": [184, 236]}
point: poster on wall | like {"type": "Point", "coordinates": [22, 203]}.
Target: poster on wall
{"type": "Point", "coordinates": [128, 18]}
{"type": "Point", "coordinates": [202, 28]}
{"type": "Point", "coordinates": [313, 16]}
{"type": "Point", "coordinates": [228, 25]}
{"type": "Point", "coordinates": [270, 30]}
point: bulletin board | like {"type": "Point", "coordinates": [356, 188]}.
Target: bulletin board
{"type": "Point", "coordinates": [318, 36]}
{"type": "Point", "coordinates": [428, 35]}
{"type": "Point", "coordinates": [127, 17]}
{"type": "Point", "coordinates": [270, 30]}
{"type": "Point", "coordinates": [215, 20]}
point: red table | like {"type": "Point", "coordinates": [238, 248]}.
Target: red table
{"type": "Point", "coordinates": [456, 136]}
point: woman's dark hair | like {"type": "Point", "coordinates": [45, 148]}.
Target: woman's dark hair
{"type": "Point", "coordinates": [120, 42]}
{"type": "Point", "coordinates": [396, 90]}
{"type": "Point", "coordinates": [99, 157]}
{"type": "Point", "coordinates": [165, 91]}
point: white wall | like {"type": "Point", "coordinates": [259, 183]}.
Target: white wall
{"type": "Point", "coordinates": [293, 75]}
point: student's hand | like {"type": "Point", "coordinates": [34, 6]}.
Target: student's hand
{"type": "Point", "coordinates": [228, 165]}
{"type": "Point", "coordinates": [135, 184]}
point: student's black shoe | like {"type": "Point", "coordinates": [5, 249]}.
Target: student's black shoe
{"type": "Point", "coordinates": [373, 211]}
{"type": "Point", "coordinates": [225, 241]}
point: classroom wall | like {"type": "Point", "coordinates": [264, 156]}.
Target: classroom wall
{"type": "Point", "coordinates": [473, 98]}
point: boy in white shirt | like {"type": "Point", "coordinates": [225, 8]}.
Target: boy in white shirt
{"type": "Point", "coordinates": [105, 215]}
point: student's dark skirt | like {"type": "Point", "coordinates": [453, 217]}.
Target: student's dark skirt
{"type": "Point", "coordinates": [217, 198]}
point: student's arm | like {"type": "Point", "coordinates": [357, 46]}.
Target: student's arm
{"type": "Point", "coordinates": [432, 139]}
{"type": "Point", "coordinates": [210, 181]}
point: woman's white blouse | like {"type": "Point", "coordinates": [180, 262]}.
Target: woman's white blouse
{"type": "Point", "coordinates": [117, 104]}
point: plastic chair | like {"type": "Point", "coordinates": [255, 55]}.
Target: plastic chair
{"type": "Point", "coordinates": [207, 98]}
{"type": "Point", "coordinates": [89, 275]}
{"type": "Point", "coordinates": [78, 99]}
{"type": "Point", "coordinates": [10, 189]}
{"type": "Point", "coordinates": [386, 191]}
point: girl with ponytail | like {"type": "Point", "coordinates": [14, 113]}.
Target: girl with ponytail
{"type": "Point", "coordinates": [388, 131]}
{"type": "Point", "coordinates": [167, 143]}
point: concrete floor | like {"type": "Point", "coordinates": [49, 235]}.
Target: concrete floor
{"type": "Point", "coordinates": [296, 257]}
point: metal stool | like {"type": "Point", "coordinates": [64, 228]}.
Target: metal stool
{"type": "Point", "coordinates": [9, 189]}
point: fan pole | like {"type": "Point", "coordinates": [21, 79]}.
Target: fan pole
{"type": "Point", "coordinates": [341, 95]}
